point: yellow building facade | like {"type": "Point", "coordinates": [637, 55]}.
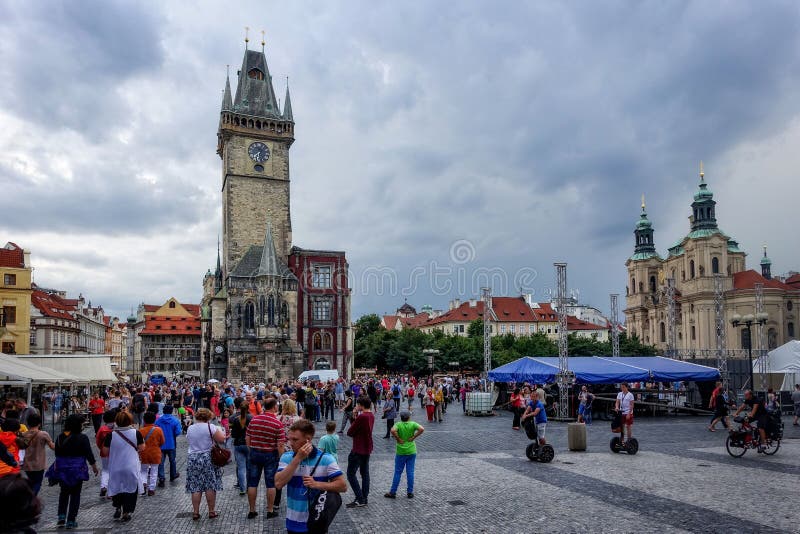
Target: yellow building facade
{"type": "Point", "coordinates": [15, 299]}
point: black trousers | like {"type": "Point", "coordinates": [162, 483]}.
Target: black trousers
{"type": "Point", "coordinates": [97, 421]}
{"type": "Point", "coordinates": [126, 500]}
{"type": "Point", "coordinates": [517, 412]}
{"type": "Point", "coordinates": [358, 463]}
{"type": "Point", "coordinates": [69, 500]}
{"type": "Point", "coordinates": [389, 425]}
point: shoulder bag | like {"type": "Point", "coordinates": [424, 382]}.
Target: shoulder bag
{"type": "Point", "coordinates": [220, 456]}
{"type": "Point", "coordinates": [322, 506]}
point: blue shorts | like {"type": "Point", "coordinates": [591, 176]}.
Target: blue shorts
{"type": "Point", "coordinates": [262, 461]}
{"type": "Point", "coordinates": [581, 409]}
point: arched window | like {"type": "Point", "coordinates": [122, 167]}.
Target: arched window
{"type": "Point", "coordinates": [641, 287]}
{"type": "Point", "coordinates": [249, 316]}
{"type": "Point", "coordinates": [271, 311]}
{"type": "Point", "coordinates": [317, 341]}
{"type": "Point", "coordinates": [255, 74]}
{"type": "Point", "coordinates": [284, 315]}
{"type": "Point", "coordinates": [694, 334]}
{"type": "Point", "coordinates": [652, 284]}
{"type": "Point", "coordinates": [261, 309]}
{"type": "Point", "coordinates": [715, 265]}
{"type": "Point", "coordinates": [772, 338]}
{"type": "Point", "coordinates": [790, 330]}
{"type": "Point", "coordinates": [663, 332]}
{"type": "Point", "coordinates": [172, 304]}
{"type": "Point", "coordinates": [633, 285]}
{"type": "Point", "coordinates": [327, 342]}
{"type": "Point", "coordinates": [691, 268]}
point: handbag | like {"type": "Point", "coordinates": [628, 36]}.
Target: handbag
{"type": "Point", "coordinates": [322, 506]}
{"type": "Point", "coordinates": [220, 456]}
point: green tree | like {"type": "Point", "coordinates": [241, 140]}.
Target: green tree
{"type": "Point", "coordinates": [366, 325]}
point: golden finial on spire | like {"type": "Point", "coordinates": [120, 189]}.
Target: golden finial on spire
{"type": "Point", "coordinates": [643, 204]}
{"type": "Point", "coordinates": [702, 174]}
{"type": "Point", "coordinates": [765, 250]}
{"type": "Point", "coordinates": [263, 40]}
{"type": "Point", "coordinates": [246, 35]}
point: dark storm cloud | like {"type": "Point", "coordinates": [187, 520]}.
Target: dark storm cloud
{"type": "Point", "coordinates": [64, 61]}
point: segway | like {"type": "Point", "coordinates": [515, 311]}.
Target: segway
{"type": "Point", "coordinates": [631, 446]}
{"type": "Point", "coordinates": [535, 452]}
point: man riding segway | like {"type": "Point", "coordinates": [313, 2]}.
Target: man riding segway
{"type": "Point", "coordinates": [623, 420]}
{"type": "Point", "coordinates": [534, 420]}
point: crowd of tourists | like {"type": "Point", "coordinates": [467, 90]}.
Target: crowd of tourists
{"type": "Point", "coordinates": [268, 429]}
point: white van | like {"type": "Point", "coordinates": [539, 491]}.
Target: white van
{"type": "Point", "coordinates": [319, 375]}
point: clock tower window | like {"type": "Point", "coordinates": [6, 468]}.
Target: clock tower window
{"type": "Point", "coordinates": [255, 74]}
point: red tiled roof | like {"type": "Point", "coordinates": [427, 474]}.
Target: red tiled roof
{"type": "Point", "coordinates": [12, 256]}
{"type": "Point", "coordinates": [573, 323]}
{"type": "Point", "coordinates": [151, 307]}
{"type": "Point", "coordinates": [545, 312]}
{"type": "Point", "coordinates": [51, 305]}
{"type": "Point", "coordinates": [748, 280]}
{"type": "Point", "coordinates": [194, 309]}
{"type": "Point", "coordinates": [794, 280]}
{"type": "Point", "coordinates": [414, 322]}
{"type": "Point", "coordinates": [390, 321]}
{"type": "Point", "coordinates": [506, 310]}
{"type": "Point", "coordinates": [174, 326]}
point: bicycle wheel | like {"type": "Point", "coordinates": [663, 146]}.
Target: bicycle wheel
{"type": "Point", "coordinates": [736, 451]}
{"type": "Point", "coordinates": [772, 447]}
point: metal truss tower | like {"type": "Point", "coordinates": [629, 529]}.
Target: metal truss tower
{"type": "Point", "coordinates": [487, 334]}
{"type": "Point", "coordinates": [672, 319]}
{"type": "Point", "coordinates": [564, 379]}
{"type": "Point", "coordinates": [614, 326]}
{"type": "Point", "coordinates": [719, 321]}
{"type": "Point", "coordinates": [763, 361]}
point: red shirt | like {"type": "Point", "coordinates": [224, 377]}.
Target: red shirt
{"type": "Point", "coordinates": [97, 406]}
{"type": "Point", "coordinates": [361, 432]}
{"type": "Point", "coordinates": [266, 432]}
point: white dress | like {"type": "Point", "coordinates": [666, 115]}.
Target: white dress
{"type": "Point", "coordinates": [123, 463]}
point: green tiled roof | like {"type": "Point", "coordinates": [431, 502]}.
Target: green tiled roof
{"type": "Point", "coordinates": [644, 256]}
{"type": "Point", "coordinates": [704, 232]}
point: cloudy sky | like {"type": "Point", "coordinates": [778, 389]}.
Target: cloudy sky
{"type": "Point", "coordinates": [440, 144]}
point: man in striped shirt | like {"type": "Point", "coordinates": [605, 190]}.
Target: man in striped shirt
{"type": "Point", "coordinates": [294, 472]}
{"type": "Point", "coordinates": [266, 438]}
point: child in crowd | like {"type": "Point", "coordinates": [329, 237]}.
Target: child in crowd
{"type": "Point", "coordinates": [330, 441]}
{"type": "Point", "coordinates": [150, 457]}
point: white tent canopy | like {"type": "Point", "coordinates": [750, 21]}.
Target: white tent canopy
{"type": "Point", "coordinates": [93, 369]}
{"type": "Point", "coordinates": [15, 368]}
{"type": "Point", "coordinates": [783, 364]}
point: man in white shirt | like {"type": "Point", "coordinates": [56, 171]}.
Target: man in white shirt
{"type": "Point", "coordinates": [624, 406]}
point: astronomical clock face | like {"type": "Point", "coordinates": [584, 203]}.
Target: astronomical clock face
{"type": "Point", "coordinates": [258, 152]}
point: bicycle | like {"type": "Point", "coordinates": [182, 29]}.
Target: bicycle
{"type": "Point", "coordinates": [747, 437]}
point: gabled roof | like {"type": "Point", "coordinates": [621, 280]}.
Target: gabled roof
{"type": "Point", "coordinates": [251, 261]}
{"type": "Point", "coordinates": [794, 281]}
{"type": "Point", "coordinates": [414, 322]}
{"type": "Point", "coordinates": [12, 255]}
{"type": "Point", "coordinates": [253, 96]}
{"type": "Point", "coordinates": [748, 280]}
{"type": "Point", "coordinates": [390, 322]}
{"type": "Point", "coordinates": [50, 305]}
{"type": "Point", "coordinates": [505, 310]}
{"type": "Point", "coordinates": [544, 312]}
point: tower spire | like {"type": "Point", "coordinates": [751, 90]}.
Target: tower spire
{"type": "Point", "coordinates": [766, 265]}
{"type": "Point", "coordinates": [287, 104]}
{"type": "Point", "coordinates": [227, 99]}
{"type": "Point", "coordinates": [702, 174]}
{"type": "Point", "coordinates": [645, 245]}
{"type": "Point", "coordinates": [246, 36]}
{"type": "Point", "coordinates": [643, 204]}
{"type": "Point", "coordinates": [703, 207]}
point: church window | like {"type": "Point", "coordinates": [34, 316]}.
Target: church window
{"type": "Point", "coordinates": [789, 305]}
{"type": "Point", "coordinates": [694, 333]}
{"type": "Point", "coordinates": [327, 342]}
{"type": "Point", "coordinates": [691, 268]}
{"type": "Point", "coordinates": [663, 332]}
{"type": "Point", "coordinates": [262, 309]}
{"type": "Point", "coordinates": [271, 311]}
{"type": "Point", "coordinates": [790, 330]}
{"type": "Point", "coordinates": [284, 315]}
{"type": "Point", "coordinates": [317, 341]}
{"type": "Point", "coordinates": [715, 265]}
{"type": "Point", "coordinates": [321, 276]}
{"type": "Point", "coordinates": [255, 74]}
{"type": "Point", "coordinates": [772, 338]}
{"type": "Point", "coordinates": [652, 284]}
{"type": "Point", "coordinates": [249, 316]}
{"type": "Point", "coordinates": [641, 287]}
{"type": "Point", "coordinates": [633, 285]}
{"type": "Point", "coordinates": [258, 125]}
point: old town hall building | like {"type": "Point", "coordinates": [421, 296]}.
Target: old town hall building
{"type": "Point", "coordinates": [269, 310]}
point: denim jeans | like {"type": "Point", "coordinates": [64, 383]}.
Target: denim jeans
{"type": "Point", "coordinates": [261, 461]}
{"type": "Point", "coordinates": [358, 463]}
{"type": "Point", "coordinates": [69, 500]}
{"type": "Point", "coordinates": [587, 415]}
{"type": "Point", "coordinates": [173, 464]}
{"type": "Point", "coordinates": [242, 455]}
{"type": "Point", "coordinates": [404, 461]}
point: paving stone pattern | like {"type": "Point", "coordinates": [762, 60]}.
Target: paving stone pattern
{"type": "Point", "coordinates": [472, 476]}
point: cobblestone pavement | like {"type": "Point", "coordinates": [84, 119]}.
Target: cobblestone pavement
{"type": "Point", "coordinates": [472, 476]}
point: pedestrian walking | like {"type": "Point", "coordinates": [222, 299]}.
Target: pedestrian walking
{"type": "Point", "coordinates": [405, 434]}
{"type": "Point", "coordinates": [150, 457]}
{"type": "Point", "coordinates": [266, 438]}
{"type": "Point", "coordinates": [69, 470]}
{"type": "Point", "coordinates": [241, 452]}
{"type": "Point", "coordinates": [516, 402]}
{"type": "Point", "coordinates": [430, 404]}
{"type": "Point", "coordinates": [138, 406]}
{"type": "Point", "coordinates": [388, 414]}
{"type": "Point", "coordinates": [358, 460]}
{"type": "Point", "coordinates": [305, 469]}
{"type": "Point", "coordinates": [171, 428]}
{"type": "Point", "coordinates": [97, 408]}
{"type": "Point", "coordinates": [35, 459]}
{"type": "Point", "coordinates": [202, 476]}
{"type": "Point", "coordinates": [438, 403]}
{"type": "Point", "coordinates": [347, 410]}
{"type": "Point", "coordinates": [108, 426]}
{"type": "Point", "coordinates": [123, 446]}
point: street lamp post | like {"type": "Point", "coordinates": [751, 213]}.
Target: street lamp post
{"type": "Point", "coordinates": [746, 322]}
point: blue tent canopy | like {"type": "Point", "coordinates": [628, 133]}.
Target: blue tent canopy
{"type": "Point", "coordinates": [603, 370]}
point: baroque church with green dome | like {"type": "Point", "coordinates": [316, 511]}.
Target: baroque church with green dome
{"type": "Point", "coordinates": [693, 262]}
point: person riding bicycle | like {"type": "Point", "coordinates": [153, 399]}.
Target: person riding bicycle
{"type": "Point", "coordinates": [536, 409]}
{"type": "Point", "coordinates": [758, 413]}
{"type": "Point", "coordinates": [624, 405]}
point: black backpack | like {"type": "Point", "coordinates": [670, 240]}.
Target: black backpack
{"type": "Point", "coordinates": [138, 403]}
